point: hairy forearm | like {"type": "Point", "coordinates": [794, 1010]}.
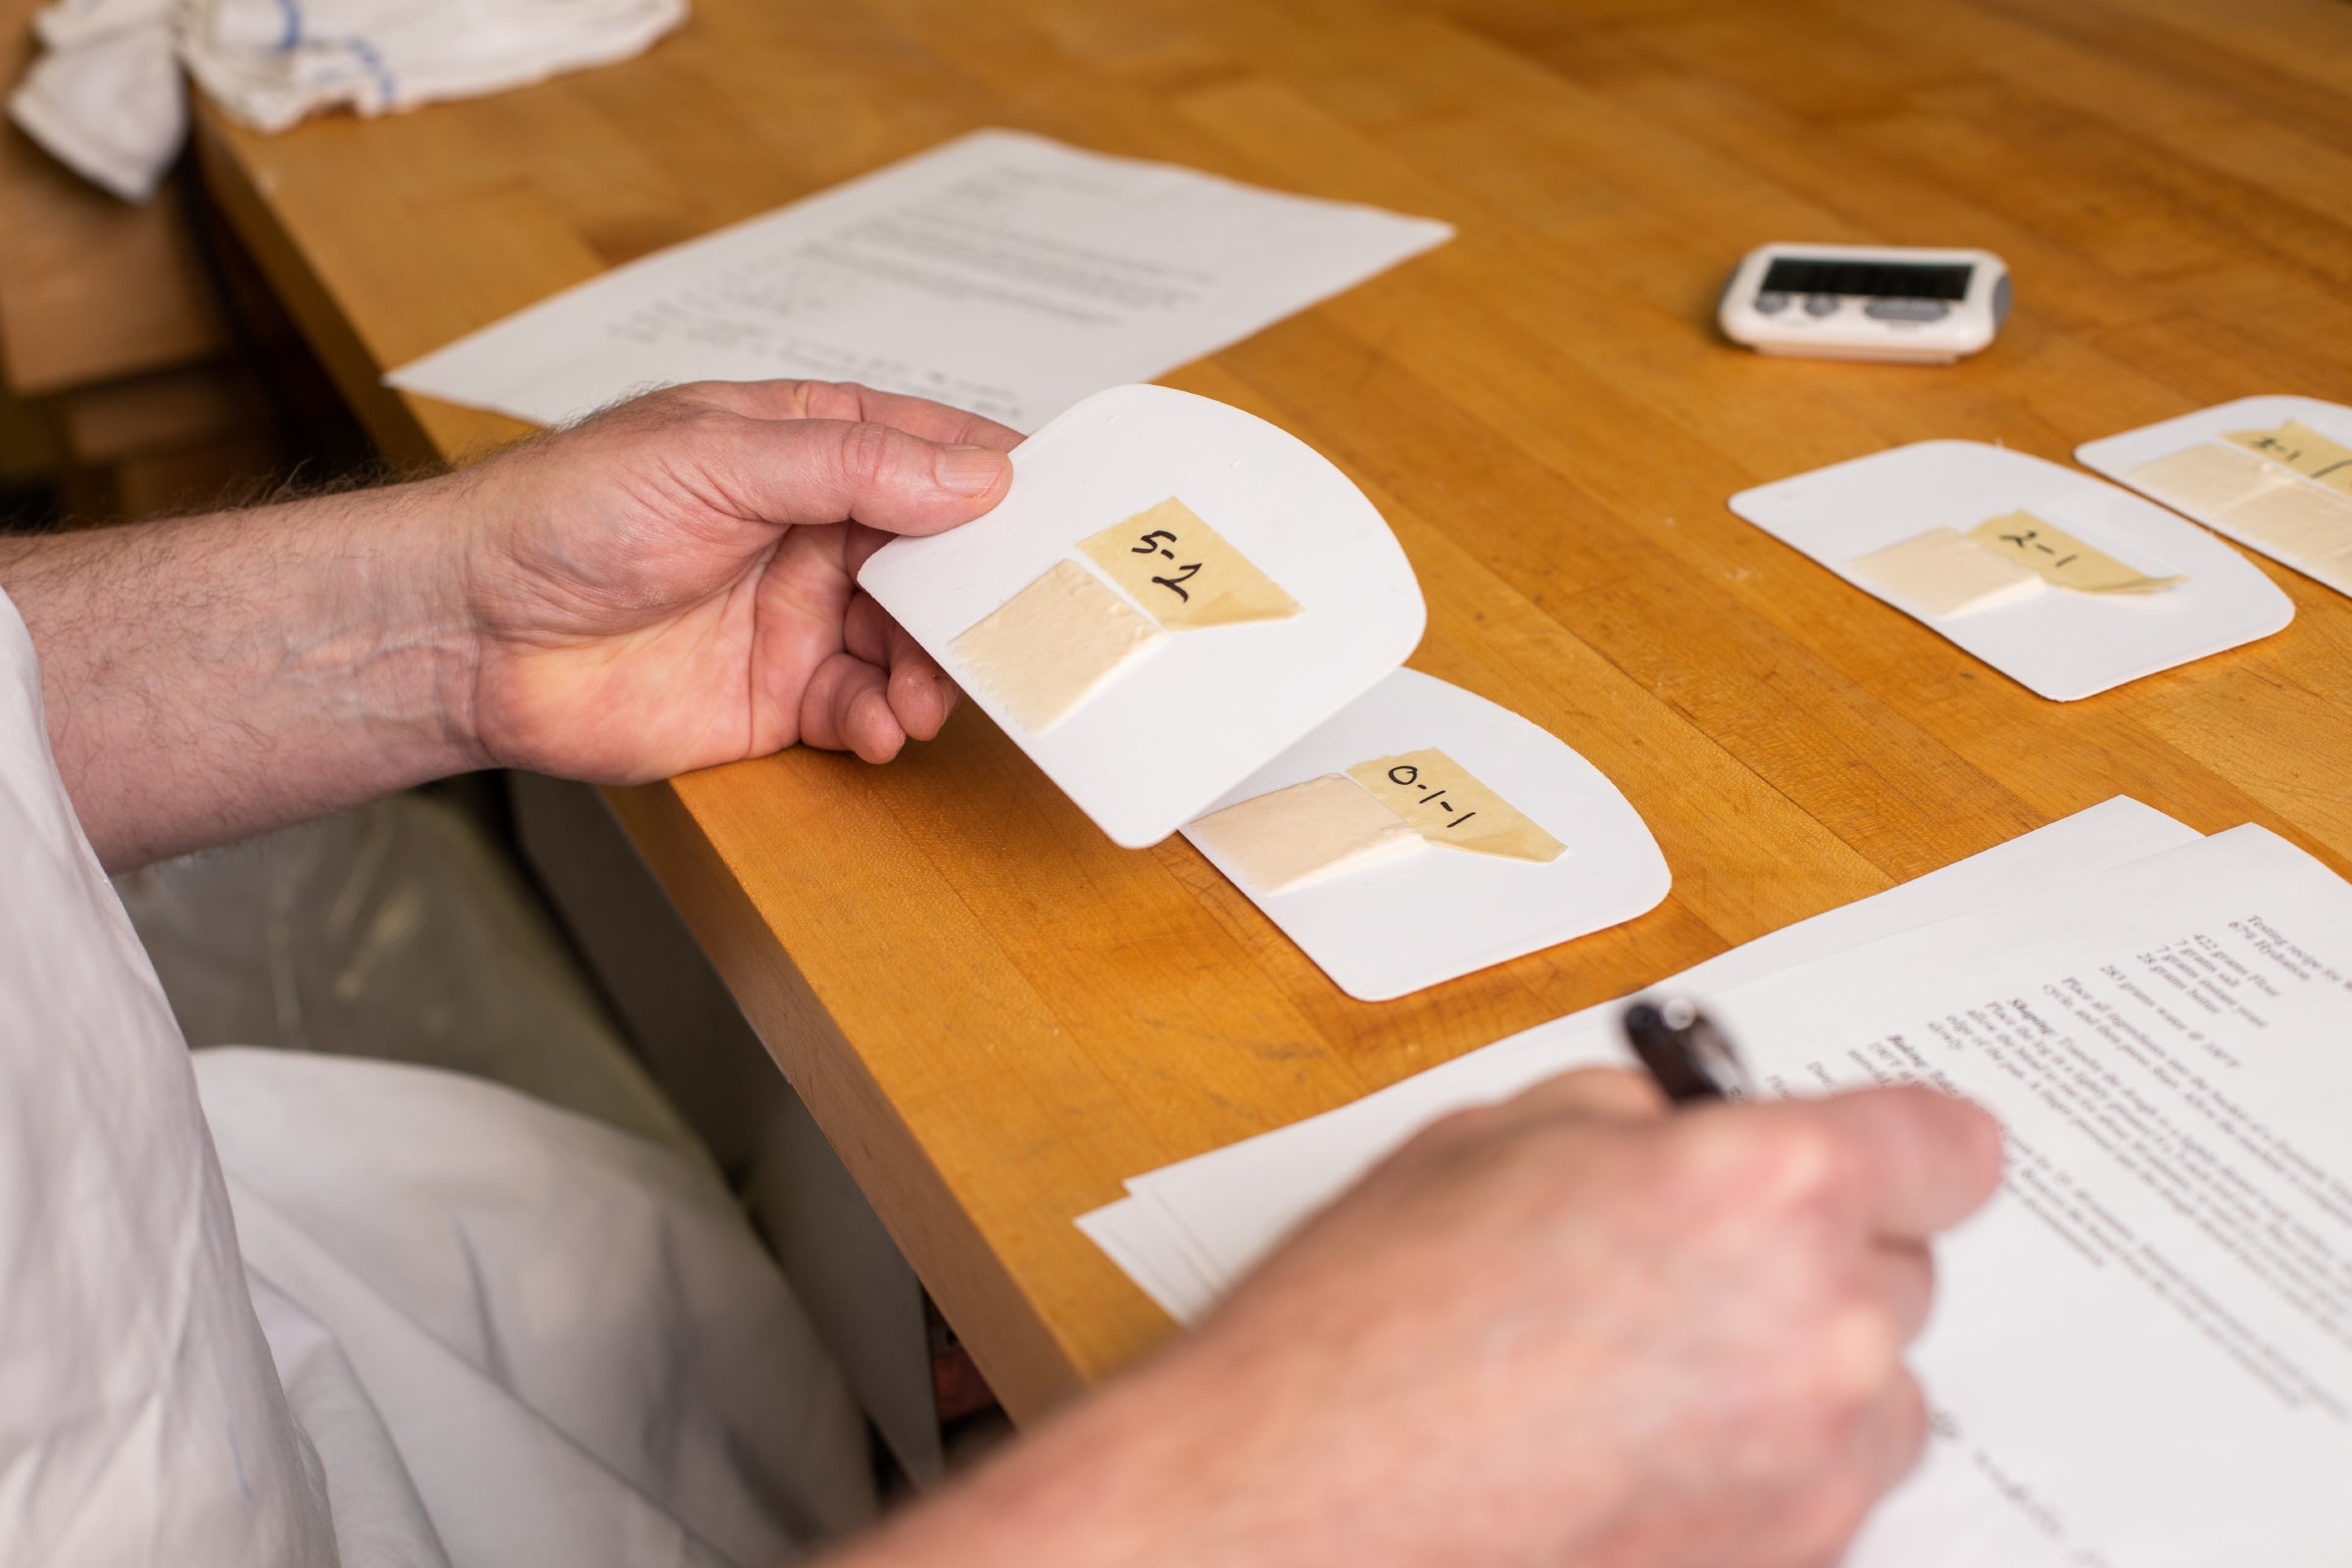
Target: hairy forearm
{"type": "Point", "coordinates": [207, 678]}
{"type": "Point", "coordinates": [1103, 1486]}
{"type": "Point", "coordinates": [1182, 1463]}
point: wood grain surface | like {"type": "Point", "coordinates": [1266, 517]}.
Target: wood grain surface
{"type": "Point", "coordinates": [91, 289]}
{"type": "Point", "coordinates": [996, 1014]}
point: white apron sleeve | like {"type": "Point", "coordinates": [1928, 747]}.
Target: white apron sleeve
{"type": "Point", "coordinates": [140, 1417]}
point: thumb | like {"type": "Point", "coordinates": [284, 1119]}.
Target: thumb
{"type": "Point", "coordinates": [794, 472]}
{"type": "Point", "coordinates": [1923, 1160]}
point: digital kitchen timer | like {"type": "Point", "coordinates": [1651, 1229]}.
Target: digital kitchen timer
{"type": "Point", "coordinates": [1866, 302]}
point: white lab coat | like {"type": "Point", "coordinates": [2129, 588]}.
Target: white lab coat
{"type": "Point", "coordinates": [402, 1317]}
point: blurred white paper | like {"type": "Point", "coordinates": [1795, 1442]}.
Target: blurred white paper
{"type": "Point", "coordinates": [1001, 272]}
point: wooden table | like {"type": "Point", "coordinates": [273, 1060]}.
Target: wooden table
{"type": "Point", "coordinates": [995, 1015]}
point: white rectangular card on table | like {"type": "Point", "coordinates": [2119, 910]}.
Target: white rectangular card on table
{"type": "Point", "coordinates": [1442, 765]}
{"type": "Point", "coordinates": [1170, 595]}
{"type": "Point", "coordinates": [1002, 272]}
{"type": "Point", "coordinates": [2065, 584]}
{"type": "Point", "coordinates": [2275, 473]}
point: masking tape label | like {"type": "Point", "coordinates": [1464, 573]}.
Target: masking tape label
{"type": "Point", "coordinates": [1446, 805]}
{"type": "Point", "coordinates": [2062, 560]}
{"type": "Point", "coordinates": [1184, 572]}
{"type": "Point", "coordinates": [2298, 447]}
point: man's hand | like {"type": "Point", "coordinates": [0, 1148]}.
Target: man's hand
{"type": "Point", "coordinates": [673, 584]}
{"type": "Point", "coordinates": [1567, 1330]}
{"type": "Point", "coordinates": [1571, 1329]}
{"type": "Point", "coordinates": [668, 586]}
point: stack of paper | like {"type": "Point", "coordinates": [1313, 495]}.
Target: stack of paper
{"type": "Point", "coordinates": [1001, 272]}
{"type": "Point", "coordinates": [2142, 1352]}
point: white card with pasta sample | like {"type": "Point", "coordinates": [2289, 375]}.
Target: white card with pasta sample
{"type": "Point", "coordinates": [2068, 585]}
{"type": "Point", "coordinates": [1172, 593]}
{"type": "Point", "coordinates": [2275, 473]}
{"type": "Point", "coordinates": [1510, 842]}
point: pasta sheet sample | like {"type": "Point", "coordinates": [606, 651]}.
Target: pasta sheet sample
{"type": "Point", "coordinates": [2288, 492]}
{"type": "Point", "coordinates": [1291, 837]}
{"type": "Point", "coordinates": [1943, 573]}
{"type": "Point", "coordinates": [1053, 645]}
{"type": "Point", "coordinates": [2209, 476]}
{"type": "Point", "coordinates": [1342, 823]}
{"type": "Point", "coordinates": [1064, 637]}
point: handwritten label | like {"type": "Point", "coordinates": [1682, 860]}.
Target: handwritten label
{"type": "Point", "coordinates": [1446, 805]}
{"type": "Point", "coordinates": [2062, 560]}
{"type": "Point", "coordinates": [2298, 447]}
{"type": "Point", "coordinates": [1184, 572]}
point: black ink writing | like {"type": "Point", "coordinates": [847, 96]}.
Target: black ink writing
{"type": "Point", "coordinates": [2029, 539]}
{"type": "Point", "coordinates": [1175, 584]}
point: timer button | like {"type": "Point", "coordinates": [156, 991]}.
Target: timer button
{"type": "Point", "coordinates": [1899, 310]}
{"type": "Point", "coordinates": [1770, 303]}
{"type": "Point", "coordinates": [1822, 304]}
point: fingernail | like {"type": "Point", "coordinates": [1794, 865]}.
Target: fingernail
{"type": "Point", "coordinates": [968, 471]}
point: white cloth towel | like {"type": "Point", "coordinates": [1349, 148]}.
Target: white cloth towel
{"type": "Point", "coordinates": [105, 97]}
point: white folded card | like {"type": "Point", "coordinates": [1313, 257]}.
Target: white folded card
{"type": "Point", "coordinates": [2275, 473]}
{"type": "Point", "coordinates": [1001, 272]}
{"type": "Point", "coordinates": [1172, 593]}
{"type": "Point", "coordinates": [1562, 853]}
{"type": "Point", "coordinates": [1948, 531]}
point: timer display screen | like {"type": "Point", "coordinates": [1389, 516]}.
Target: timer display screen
{"type": "Point", "coordinates": [1910, 281]}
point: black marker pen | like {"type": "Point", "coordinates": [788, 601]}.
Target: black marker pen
{"type": "Point", "coordinates": [1691, 1059]}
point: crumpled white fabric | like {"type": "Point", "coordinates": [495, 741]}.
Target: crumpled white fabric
{"type": "Point", "coordinates": [531, 1295]}
{"type": "Point", "coordinates": [105, 97]}
{"type": "Point", "coordinates": [140, 1420]}
{"type": "Point", "coordinates": [402, 1319]}
{"type": "Point", "coordinates": [108, 102]}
